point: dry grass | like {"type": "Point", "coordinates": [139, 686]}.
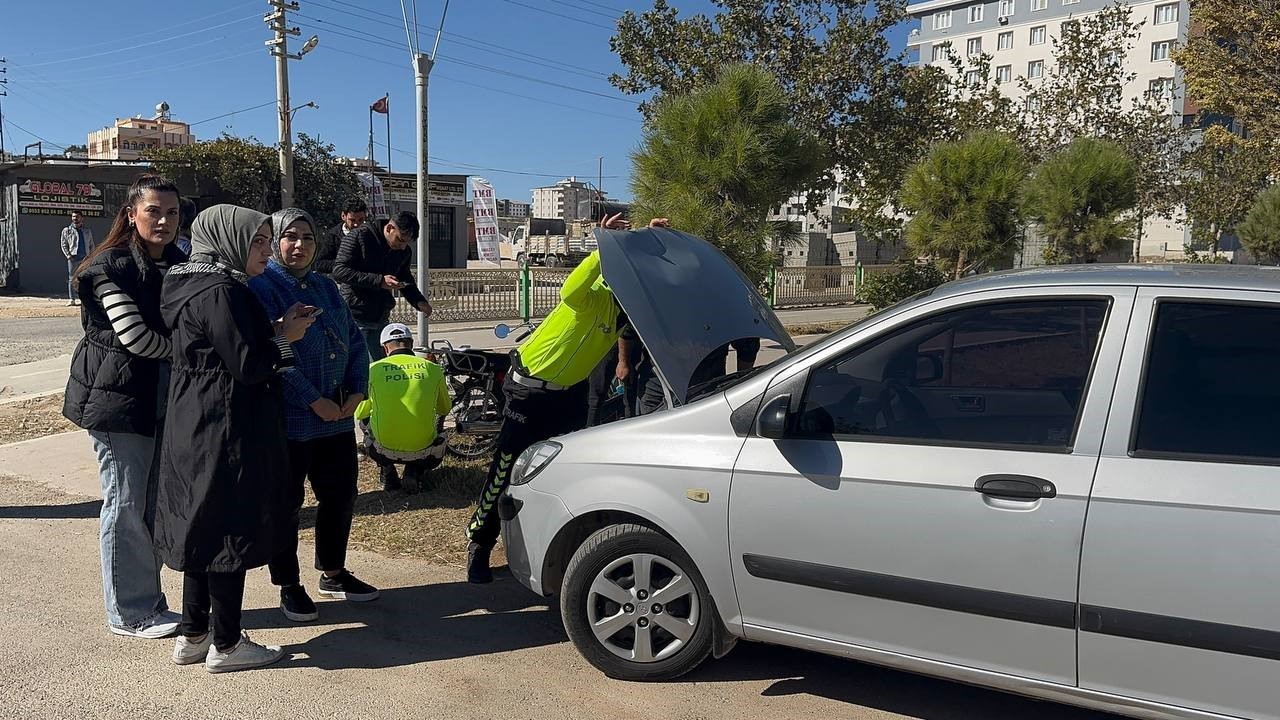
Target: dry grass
{"type": "Point", "coordinates": [29, 419]}
{"type": "Point", "coordinates": [430, 525]}
{"type": "Point", "coordinates": [815, 328]}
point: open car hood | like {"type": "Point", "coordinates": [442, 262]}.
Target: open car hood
{"type": "Point", "coordinates": [684, 298]}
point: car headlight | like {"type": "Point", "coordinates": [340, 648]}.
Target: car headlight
{"type": "Point", "coordinates": [532, 461]}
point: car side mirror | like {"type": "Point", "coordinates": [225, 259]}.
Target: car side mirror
{"type": "Point", "coordinates": [928, 368]}
{"type": "Point", "coordinates": [502, 331]}
{"type": "Point", "coordinates": [772, 421]}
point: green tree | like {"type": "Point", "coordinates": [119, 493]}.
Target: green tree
{"type": "Point", "coordinates": [1231, 63]}
{"type": "Point", "coordinates": [321, 185]}
{"type": "Point", "coordinates": [240, 171]}
{"type": "Point", "coordinates": [1222, 176]}
{"type": "Point", "coordinates": [882, 289]}
{"type": "Point", "coordinates": [965, 200]}
{"type": "Point", "coordinates": [717, 159]}
{"type": "Point", "coordinates": [1080, 198]}
{"type": "Point", "coordinates": [1260, 231]}
{"type": "Point", "coordinates": [842, 80]}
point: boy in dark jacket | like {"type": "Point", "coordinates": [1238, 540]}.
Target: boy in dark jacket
{"type": "Point", "coordinates": [372, 263]}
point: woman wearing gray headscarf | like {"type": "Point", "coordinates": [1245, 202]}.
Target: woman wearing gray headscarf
{"type": "Point", "coordinates": [321, 394]}
{"type": "Point", "coordinates": [223, 503]}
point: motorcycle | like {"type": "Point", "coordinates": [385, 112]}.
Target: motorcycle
{"type": "Point", "coordinates": [475, 378]}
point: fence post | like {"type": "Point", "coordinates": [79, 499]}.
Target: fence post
{"type": "Point", "coordinates": [773, 286]}
{"type": "Point", "coordinates": [857, 278]}
{"type": "Point", "coordinates": [524, 288]}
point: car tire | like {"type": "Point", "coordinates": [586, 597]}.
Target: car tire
{"type": "Point", "coordinates": [552, 261]}
{"type": "Point", "coordinates": [617, 625]}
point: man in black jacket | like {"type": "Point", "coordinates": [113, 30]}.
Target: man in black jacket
{"type": "Point", "coordinates": [354, 213]}
{"type": "Point", "coordinates": [372, 263]}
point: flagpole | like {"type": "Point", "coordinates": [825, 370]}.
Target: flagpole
{"type": "Point", "coordinates": [388, 99]}
{"type": "Point", "coordinates": [370, 138]}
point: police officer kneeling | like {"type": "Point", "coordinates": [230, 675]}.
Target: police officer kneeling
{"type": "Point", "coordinates": [408, 400]}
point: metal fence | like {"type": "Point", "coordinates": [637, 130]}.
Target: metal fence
{"type": "Point", "coordinates": [460, 295]}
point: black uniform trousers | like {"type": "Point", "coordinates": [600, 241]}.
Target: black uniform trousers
{"type": "Point", "coordinates": [531, 416]}
{"type": "Point", "coordinates": [332, 466]}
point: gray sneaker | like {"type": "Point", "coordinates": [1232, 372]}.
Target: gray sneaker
{"type": "Point", "coordinates": [161, 625]}
{"type": "Point", "coordinates": [246, 655]}
{"type": "Point", "coordinates": [189, 652]}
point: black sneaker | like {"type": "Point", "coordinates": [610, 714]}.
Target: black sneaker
{"type": "Point", "coordinates": [296, 604]}
{"type": "Point", "coordinates": [478, 564]}
{"type": "Point", "coordinates": [345, 586]}
{"type": "Point", "coordinates": [389, 477]}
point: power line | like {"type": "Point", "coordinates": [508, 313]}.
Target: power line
{"type": "Point", "coordinates": [45, 140]}
{"type": "Point", "coordinates": [92, 80]}
{"type": "Point", "coordinates": [166, 32]}
{"type": "Point", "coordinates": [490, 88]}
{"type": "Point", "coordinates": [611, 16]}
{"type": "Point", "coordinates": [132, 48]}
{"type": "Point", "coordinates": [559, 15]}
{"type": "Point", "coordinates": [369, 37]}
{"type": "Point", "coordinates": [453, 163]}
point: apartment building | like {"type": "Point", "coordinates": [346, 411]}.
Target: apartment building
{"type": "Point", "coordinates": [564, 199]}
{"type": "Point", "coordinates": [513, 208]}
{"type": "Point", "coordinates": [1018, 35]}
{"type": "Point", "coordinates": [131, 138]}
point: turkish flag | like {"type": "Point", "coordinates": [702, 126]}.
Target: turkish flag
{"type": "Point", "coordinates": [381, 106]}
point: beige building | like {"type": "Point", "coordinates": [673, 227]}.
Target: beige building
{"type": "Point", "coordinates": [565, 200]}
{"type": "Point", "coordinates": [131, 138]}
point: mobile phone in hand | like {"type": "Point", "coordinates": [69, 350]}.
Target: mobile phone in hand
{"type": "Point", "coordinates": [314, 312]}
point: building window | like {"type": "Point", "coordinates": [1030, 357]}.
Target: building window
{"type": "Point", "coordinates": [1035, 69]}
{"type": "Point", "coordinates": [1160, 50]}
{"type": "Point", "coordinates": [973, 78]}
{"type": "Point", "coordinates": [973, 46]}
{"type": "Point", "coordinates": [1161, 87]}
{"type": "Point", "coordinates": [942, 20]}
{"type": "Point", "coordinates": [940, 51]}
{"type": "Point", "coordinates": [1038, 5]}
{"type": "Point", "coordinates": [1038, 35]}
{"type": "Point", "coordinates": [1069, 27]}
{"type": "Point", "coordinates": [1004, 74]}
{"type": "Point", "coordinates": [1070, 2]}
{"type": "Point", "coordinates": [975, 13]}
{"type": "Point", "coordinates": [1166, 13]}
{"type": "Point", "coordinates": [1006, 8]}
{"type": "Point", "coordinates": [1005, 41]}
{"type": "Point", "coordinates": [1033, 104]}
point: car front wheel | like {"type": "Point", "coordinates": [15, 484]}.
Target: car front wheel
{"type": "Point", "coordinates": [635, 606]}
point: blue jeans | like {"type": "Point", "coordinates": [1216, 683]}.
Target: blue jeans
{"type": "Point", "coordinates": [372, 335]}
{"type": "Point", "coordinates": [130, 567]}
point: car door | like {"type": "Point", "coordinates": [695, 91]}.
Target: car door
{"type": "Point", "coordinates": [863, 523]}
{"type": "Point", "coordinates": [1180, 577]}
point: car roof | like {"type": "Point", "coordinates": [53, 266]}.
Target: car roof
{"type": "Point", "coordinates": [1217, 276]}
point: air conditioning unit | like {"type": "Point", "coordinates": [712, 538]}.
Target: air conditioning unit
{"type": "Point", "coordinates": [1003, 20]}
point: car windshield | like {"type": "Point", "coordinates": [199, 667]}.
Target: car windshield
{"type": "Point", "coordinates": [725, 382]}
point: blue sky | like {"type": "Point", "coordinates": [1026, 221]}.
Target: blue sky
{"type": "Point", "coordinates": [518, 95]}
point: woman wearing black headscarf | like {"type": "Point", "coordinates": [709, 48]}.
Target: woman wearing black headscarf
{"type": "Point", "coordinates": [223, 505]}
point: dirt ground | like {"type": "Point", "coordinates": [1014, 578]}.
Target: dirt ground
{"type": "Point", "coordinates": [33, 418]}
{"type": "Point", "coordinates": [35, 307]}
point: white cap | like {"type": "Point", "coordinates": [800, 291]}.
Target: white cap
{"type": "Point", "coordinates": [395, 331]}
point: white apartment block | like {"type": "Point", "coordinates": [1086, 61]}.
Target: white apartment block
{"type": "Point", "coordinates": [1018, 35]}
{"type": "Point", "coordinates": [563, 199]}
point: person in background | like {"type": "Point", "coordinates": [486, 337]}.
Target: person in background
{"type": "Point", "coordinates": [713, 365]}
{"type": "Point", "coordinates": [187, 215]}
{"type": "Point", "coordinates": [354, 213]}
{"type": "Point", "coordinates": [372, 263]}
{"type": "Point", "coordinates": [224, 502]}
{"type": "Point", "coordinates": [115, 391]}
{"type": "Point", "coordinates": [546, 393]}
{"type": "Point", "coordinates": [408, 400]}
{"type": "Point", "coordinates": [77, 243]}
{"type": "Point", "coordinates": [321, 393]}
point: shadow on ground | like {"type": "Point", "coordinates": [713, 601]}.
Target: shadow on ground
{"type": "Point", "coordinates": [73, 511]}
{"type": "Point", "coordinates": [796, 672]}
{"type": "Point", "coordinates": [411, 625]}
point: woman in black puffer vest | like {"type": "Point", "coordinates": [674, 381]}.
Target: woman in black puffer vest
{"type": "Point", "coordinates": [115, 392]}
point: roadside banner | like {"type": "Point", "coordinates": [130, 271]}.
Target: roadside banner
{"type": "Point", "coordinates": [373, 194]}
{"type": "Point", "coordinates": [484, 209]}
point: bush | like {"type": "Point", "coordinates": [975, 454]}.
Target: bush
{"type": "Point", "coordinates": [1260, 231]}
{"type": "Point", "coordinates": [881, 290]}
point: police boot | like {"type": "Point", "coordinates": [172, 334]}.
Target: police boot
{"type": "Point", "coordinates": [478, 563]}
{"type": "Point", "coordinates": [389, 477]}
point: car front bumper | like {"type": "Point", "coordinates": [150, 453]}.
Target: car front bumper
{"type": "Point", "coordinates": [530, 521]}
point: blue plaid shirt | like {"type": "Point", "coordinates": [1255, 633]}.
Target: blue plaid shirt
{"type": "Point", "coordinates": [331, 358]}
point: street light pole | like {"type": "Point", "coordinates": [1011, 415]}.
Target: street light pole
{"type": "Point", "coordinates": [279, 45]}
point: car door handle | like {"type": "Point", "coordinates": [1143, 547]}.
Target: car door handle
{"type": "Point", "coordinates": [970, 403]}
{"type": "Point", "coordinates": [1015, 487]}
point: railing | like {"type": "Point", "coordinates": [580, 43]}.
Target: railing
{"type": "Point", "coordinates": [460, 295]}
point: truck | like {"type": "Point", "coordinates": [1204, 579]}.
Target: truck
{"type": "Point", "coordinates": [550, 242]}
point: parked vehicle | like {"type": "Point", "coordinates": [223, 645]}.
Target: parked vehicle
{"type": "Point", "coordinates": [1058, 482]}
{"type": "Point", "coordinates": [548, 242]}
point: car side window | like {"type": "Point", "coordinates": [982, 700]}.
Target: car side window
{"type": "Point", "coordinates": [1210, 389]}
{"type": "Point", "coordinates": [1010, 373]}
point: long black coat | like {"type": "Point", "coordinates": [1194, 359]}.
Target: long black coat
{"type": "Point", "coordinates": [223, 503]}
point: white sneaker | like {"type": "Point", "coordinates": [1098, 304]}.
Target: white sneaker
{"type": "Point", "coordinates": [161, 625]}
{"type": "Point", "coordinates": [189, 652]}
{"type": "Point", "coordinates": [245, 655]}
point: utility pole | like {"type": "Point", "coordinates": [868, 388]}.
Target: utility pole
{"type": "Point", "coordinates": [278, 21]}
{"type": "Point", "coordinates": [3, 93]}
{"type": "Point", "coordinates": [600, 185]}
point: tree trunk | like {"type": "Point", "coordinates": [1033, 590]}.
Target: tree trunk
{"type": "Point", "coordinates": [960, 264]}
